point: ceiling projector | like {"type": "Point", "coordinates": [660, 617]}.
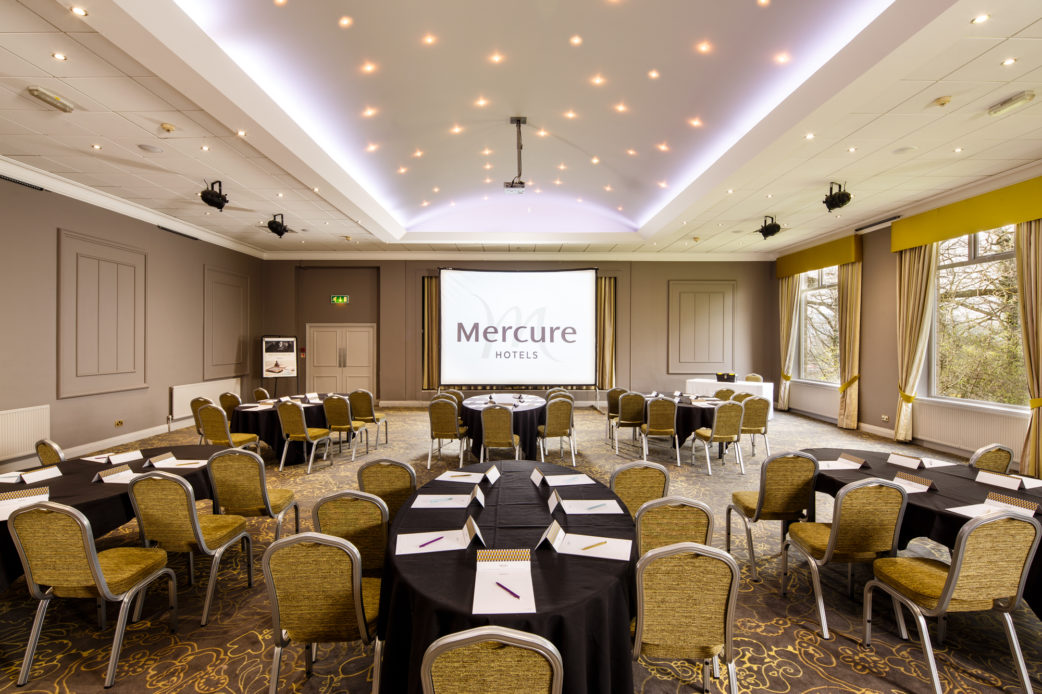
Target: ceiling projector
{"type": "Point", "coordinates": [277, 226]}
{"type": "Point", "coordinates": [514, 187]}
{"type": "Point", "coordinates": [214, 197]}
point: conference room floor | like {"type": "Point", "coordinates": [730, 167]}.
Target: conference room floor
{"type": "Point", "coordinates": [779, 649]}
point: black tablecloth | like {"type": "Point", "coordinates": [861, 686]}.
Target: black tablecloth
{"type": "Point", "coordinates": [247, 419]}
{"type": "Point", "coordinates": [585, 604]}
{"type": "Point", "coordinates": [691, 417]}
{"type": "Point", "coordinates": [527, 416]}
{"type": "Point", "coordinates": [927, 513]}
{"type": "Point", "coordinates": [106, 506]}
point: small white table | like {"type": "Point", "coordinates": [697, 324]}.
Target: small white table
{"type": "Point", "coordinates": [708, 386]}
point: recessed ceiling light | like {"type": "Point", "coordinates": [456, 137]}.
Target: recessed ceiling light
{"type": "Point", "coordinates": [695, 122]}
{"type": "Point", "coordinates": [78, 11]}
{"type": "Point", "coordinates": [487, 166]}
{"type": "Point", "coordinates": [345, 21]}
{"type": "Point", "coordinates": [662, 147]}
{"type": "Point", "coordinates": [372, 147]}
{"type": "Point", "coordinates": [278, 195]}
{"type": "Point", "coordinates": [205, 148]}
{"type": "Point", "coordinates": [607, 189]}
{"type": "Point", "coordinates": [570, 114]}
{"type": "Point", "coordinates": [1008, 61]}
{"type": "Point", "coordinates": [314, 190]}
{"type": "Point", "coordinates": [980, 19]}
{"type": "Point", "coordinates": [621, 107]}
{"type": "Point", "coordinates": [368, 67]}
{"type": "Point", "coordinates": [957, 150]}
{"type": "Point", "coordinates": [435, 189]}
{"type": "Point", "coordinates": [730, 191]}
{"type": "Point", "coordinates": [402, 169]}
{"type": "Point", "coordinates": [496, 58]}
{"type": "Point", "coordinates": [241, 133]}
{"type": "Point", "coordinates": [808, 136]}
{"type": "Point", "coordinates": [704, 47]}
{"type": "Point", "coordinates": [578, 199]}
{"type": "Point", "coordinates": [631, 152]}
{"type": "Point", "coordinates": [763, 3]}
{"type": "Point", "coordinates": [59, 57]}
{"type": "Point", "coordinates": [541, 132]}
{"type": "Point", "coordinates": [425, 203]}
{"type": "Point", "coordinates": [576, 40]}
{"type": "Point", "coordinates": [597, 80]}
{"type": "Point", "coordinates": [418, 153]}
{"type": "Point", "coordinates": [456, 129]}
{"type": "Point", "coordinates": [487, 180]}
{"type": "Point", "coordinates": [452, 203]}
{"type": "Point", "coordinates": [561, 166]}
{"type": "Point", "coordinates": [430, 39]}
{"type": "Point", "coordinates": [619, 208]}
{"type": "Point", "coordinates": [481, 102]}
{"type": "Point", "coordinates": [851, 149]}
{"type": "Point", "coordinates": [95, 146]}
{"type": "Point", "coordinates": [661, 184]}
{"type": "Point", "coordinates": [557, 181]}
{"type": "Point", "coordinates": [369, 112]}
{"type": "Point", "coordinates": [486, 151]}
{"type": "Point", "coordinates": [782, 58]}
{"type": "Point", "coordinates": [280, 3]}
{"type": "Point", "coordinates": [770, 195]}
{"type": "Point", "coordinates": [595, 160]}
{"type": "Point", "coordinates": [653, 74]}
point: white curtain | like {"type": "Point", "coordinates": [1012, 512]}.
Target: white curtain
{"type": "Point", "coordinates": [788, 318]}
{"type": "Point", "coordinates": [849, 343]}
{"type": "Point", "coordinates": [1029, 286]}
{"type": "Point", "coordinates": [916, 296]}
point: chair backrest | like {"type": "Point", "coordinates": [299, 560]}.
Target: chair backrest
{"type": "Point", "coordinates": [557, 395]}
{"type": "Point", "coordinates": [866, 517]}
{"type": "Point", "coordinates": [724, 394]}
{"type": "Point", "coordinates": [994, 458]}
{"type": "Point", "coordinates": [613, 399]}
{"type": "Point", "coordinates": [458, 394]}
{"type": "Point", "coordinates": [195, 404]}
{"type": "Point", "coordinates": [497, 427]}
{"type": "Point", "coordinates": [638, 483]}
{"type": "Point", "coordinates": [57, 549]}
{"type": "Point", "coordinates": [786, 486]}
{"type": "Point", "coordinates": [662, 416]}
{"type": "Point", "coordinates": [215, 425]}
{"type": "Point", "coordinates": [338, 411]}
{"type": "Point", "coordinates": [315, 585]}
{"type": "Point", "coordinates": [754, 418]}
{"type": "Point", "coordinates": [727, 420]}
{"type": "Point", "coordinates": [357, 517]}
{"type": "Point", "coordinates": [291, 417]}
{"type": "Point", "coordinates": [444, 418]}
{"type": "Point", "coordinates": [492, 659]}
{"type": "Point", "coordinates": [261, 394]}
{"type": "Point", "coordinates": [631, 408]}
{"type": "Point", "coordinates": [741, 397]}
{"type": "Point", "coordinates": [445, 396]}
{"type": "Point", "coordinates": [229, 401]}
{"type": "Point", "coordinates": [392, 481]}
{"type": "Point", "coordinates": [362, 407]}
{"type": "Point", "coordinates": [165, 508]}
{"type": "Point", "coordinates": [238, 482]}
{"type": "Point", "coordinates": [558, 417]}
{"type": "Point", "coordinates": [49, 452]}
{"type": "Point", "coordinates": [754, 377]}
{"type": "Point", "coordinates": [695, 628]}
{"type": "Point", "coordinates": [557, 389]}
{"type": "Point", "coordinates": [991, 559]}
{"type": "Point", "coordinates": [673, 519]}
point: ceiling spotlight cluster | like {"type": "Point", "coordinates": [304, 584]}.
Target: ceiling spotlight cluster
{"type": "Point", "coordinates": [837, 197]}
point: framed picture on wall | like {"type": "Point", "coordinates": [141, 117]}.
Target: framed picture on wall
{"type": "Point", "coordinates": [279, 357]}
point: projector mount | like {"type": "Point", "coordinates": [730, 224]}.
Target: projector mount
{"type": "Point", "coordinates": [517, 185]}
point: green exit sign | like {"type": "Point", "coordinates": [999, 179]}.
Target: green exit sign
{"type": "Point", "coordinates": [339, 299]}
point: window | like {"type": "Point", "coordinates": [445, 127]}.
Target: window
{"type": "Point", "coordinates": [819, 325]}
{"type": "Point", "coordinates": [978, 349]}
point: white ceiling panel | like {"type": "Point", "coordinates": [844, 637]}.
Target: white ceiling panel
{"type": "Point", "coordinates": [118, 93]}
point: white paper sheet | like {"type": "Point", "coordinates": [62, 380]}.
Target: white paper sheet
{"type": "Point", "coordinates": [11, 477]}
{"type": "Point", "coordinates": [492, 474]}
{"type": "Point", "coordinates": [103, 458]}
{"type": "Point", "coordinates": [567, 480]}
{"type": "Point", "coordinates": [997, 480]}
{"type": "Point", "coordinates": [42, 474]}
{"type": "Point", "coordinates": [312, 397]}
{"type": "Point", "coordinates": [437, 541]}
{"type": "Point", "coordinates": [930, 463]}
{"type": "Point", "coordinates": [591, 546]}
{"type": "Point", "coordinates": [119, 458]}
{"type": "Point", "coordinates": [174, 463]}
{"type": "Point", "coordinates": [503, 587]}
{"type": "Point", "coordinates": [590, 506]}
{"type": "Point", "coordinates": [909, 486]}
{"type": "Point", "coordinates": [121, 477]}
{"type": "Point", "coordinates": [838, 465]}
{"type": "Point", "coordinates": [1030, 482]}
{"type": "Point", "coordinates": [904, 461]}
{"type": "Point", "coordinates": [7, 507]}
{"type": "Point", "coordinates": [449, 500]}
{"type": "Point", "coordinates": [468, 477]}
{"type": "Point", "coordinates": [975, 510]}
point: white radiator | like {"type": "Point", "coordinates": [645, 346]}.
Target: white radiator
{"type": "Point", "coordinates": [21, 428]}
{"type": "Point", "coordinates": [181, 396]}
{"type": "Point", "coordinates": [821, 399]}
{"type": "Point", "coordinates": [967, 429]}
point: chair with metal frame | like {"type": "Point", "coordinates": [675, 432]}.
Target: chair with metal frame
{"type": "Point", "coordinates": [458, 394]}
{"type": "Point", "coordinates": [786, 492]}
{"type": "Point", "coordinates": [216, 431]}
{"type": "Point", "coordinates": [558, 425]}
{"type": "Point", "coordinates": [229, 401]}
{"type": "Point", "coordinates": [363, 408]}
{"type": "Point", "coordinates": [741, 397]}
{"type": "Point", "coordinates": [165, 508]}
{"type": "Point", "coordinates": [988, 571]}
{"type": "Point", "coordinates": [497, 431]}
{"type": "Point", "coordinates": [612, 409]}
{"type": "Point", "coordinates": [339, 420]}
{"type": "Point", "coordinates": [295, 428]}
{"type": "Point", "coordinates": [391, 480]}
{"type": "Point", "coordinates": [865, 519]}
{"type": "Point", "coordinates": [753, 378]}
{"type": "Point", "coordinates": [445, 426]}
{"type": "Point", "coordinates": [492, 659]}
{"type": "Point", "coordinates": [49, 452]}
{"type": "Point", "coordinates": [725, 429]}
{"type": "Point", "coordinates": [56, 546]}
{"type": "Point", "coordinates": [361, 519]}
{"type": "Point", "coordinates": [639, 482]}
{"type": "Point", "coordinates": [993, 458]}
{"type": "Point", "coordinates": [260, 393]}
{"type": "Point", "coordinates": [724, 393]}
{"type": "Point", "coordinates": [662, 423]}
{"type": "Point", "coordinates": [195, 404]}
{"type": "Point", "coordinates": [631, 415]}
{"type": "Point", "coordinates": [239, 488]}
{"type": "Point", "coordinates": [318, 595]}
{"type": "Point", "coordinates": [699, 628]}
{"type": "Point", "coordinates": [754, 420]}
{"type": "Point", "coordinates": [673, 519]}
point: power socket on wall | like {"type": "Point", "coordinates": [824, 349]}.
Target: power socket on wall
{"type": "Point", "coordinates": [885, 418]}
{"type": "Point", "coordinates": [118, 423]}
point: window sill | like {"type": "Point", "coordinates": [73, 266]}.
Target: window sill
{"type": "Point", "coordinates": [1015, 410]}
{"type": "Point", "coordinates": [815, 384]}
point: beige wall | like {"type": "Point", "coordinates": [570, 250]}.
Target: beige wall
{"type": "Point", "coordinates": [878, 384]}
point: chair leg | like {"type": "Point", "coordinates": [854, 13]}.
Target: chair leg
{"type": "Point", "coordinates": [285, 450]}
{"type": "Point", "coordinates": [705, 675]}
{"type": "Point", "coordinates": [942, 628]}
{"type": "Point", "coordinates": [461, 442]}
{"type": "Point", "coordinates": [738, 454]}
{"type": "Point", "coordinates": [34, 639]}
{"type": "Point", "coordinates": [311, 458]}
{"type": "Point", "coordinates": [752, 550]}
{"type": "Point", "coordinates": [615, 437]}
{"type": "Point", "coordinates": [899, 617]}
{"type": "Point", "coordinates": [571, 446]}
{"type": "Point", "coordinates": [643, 447]}
{"type": "Point", "coordinates": [247, 548]}
{"type": "Point", "coordinates": [767, 445]}
{"type": "Point", "coordinates": [732, 676]}
{"type": "Point", "coordinates": [354, 445]}
{"type": "Point", "coordinates": [309, 658]}
{"type": "Point", "coordinates": [866, 615]}
{"type": "Point", "coordinates": [542, 450]}
{"type": "Point", "coordinates": [481, 454]}
{"type": "Point", "coordinates": [102, 613]}
{"type": "Point", "coordinates": [430, 452]}
{"type": "Point", "coordinates": [274, 688]}
{"type": "Point", "coordinates": [709, 464]}
{"type": "Point", "coordinates": [378, 657]}
{"type": "Point", "coordinates": [816, 581]}
{"type": "Point", "coordinates": [676, 447]}
{"type": "Point", "coordinates": [117, 638]}
{"type": "Point", "coordinates": [924, 640]}
{"type": "Point", "coordinates": [1014, 647]}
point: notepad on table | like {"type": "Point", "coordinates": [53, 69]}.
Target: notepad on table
{"type": "Point", "coordinates": [120, 458]}
{"type": "Point", "coordinates": [492, 474]}
{"type": "Point", "coordinates": [997, 502]}
{"type": "Point", "coordinates": [585, 545]}
{"type": "Point", "coordinates": [583, 506]}
{"type": "Point", "coordinates": [10, 477]}
{"type": "Point", "coordinates": [439, 540]}
{"type": "Point", "coordinates": [908, 461]}
{"type": "Point", "coordinates": [121, 474]}
{"type": "Point", "coordinates": [44, 473]}
{"type": "Point", "coordinates": [9, 501]}
{"type": "Point", "coordinates": [449, 500]}
{"type": "Point", "coordinates": [912, 484]}
{"type": "Point", "coordinates": [503, 582]}
{"type": "Point", "coordinates": [844, 462]}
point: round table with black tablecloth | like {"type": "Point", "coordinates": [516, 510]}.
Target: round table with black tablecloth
{"type": "Point", "coordinates": [106, 505]}
{"type": "Point", "coordinates": [584, 605]}
{"type": "Point", "coordinates": [528, 414]}
{"type": "Point", "coordinates": [262, 419]}
{"type": "Point", "coordinates": [927, 513]}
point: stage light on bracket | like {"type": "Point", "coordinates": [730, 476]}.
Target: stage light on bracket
{"type": "Point", "coordinates": [769, 228]}
{"type": "Point", "coordinates": [836, 198]}
{"type": "Point", "coordinates": [277, 226]}
{"type": "Point", "coordinates": [214, 196]}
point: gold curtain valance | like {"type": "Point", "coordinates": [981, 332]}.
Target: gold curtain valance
{"type": "Point", "coordinates": [838, 252]}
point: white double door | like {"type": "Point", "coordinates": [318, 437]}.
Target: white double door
{"type": "Point", "coordinates": [341, 357]}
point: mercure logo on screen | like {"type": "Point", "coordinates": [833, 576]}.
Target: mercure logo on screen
{"type": "Point", "coordinates": [514, 334]}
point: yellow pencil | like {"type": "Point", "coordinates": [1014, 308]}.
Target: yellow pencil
{"type": "Point", "coordinates": [595, 544]}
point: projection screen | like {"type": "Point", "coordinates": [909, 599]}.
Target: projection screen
{"type": "Point", "coordinates": [518, 328]}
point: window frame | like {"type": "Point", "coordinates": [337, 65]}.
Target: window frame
{"type": "Point", "coordinates": [801, 323]}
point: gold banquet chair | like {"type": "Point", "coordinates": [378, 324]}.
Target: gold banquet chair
{"type": "Point", "coordinates": [497, 424]}
{"type": "Point", "coordinates": [612, 410]}
{"type": "Point", "coordinates": [673, 623]}
{"type": "Point", "coordinates": [662, 423]}
{"type": "Point", "coordinates": [458, 394]}
{"type": "Point", "coordinates": [295, 428]}
{"type": "Point", "coordinates": [724, 393]}
{"type": "Point", "coordinates": [670, 520]}
{"type": "Point", "coordinates": [195, 404]}
{"type": "Point", "coordinates": [445, 426]}
{"type": "Point", "coordinates": [359, 518]}
{"type": "Point", "coordinates": [993, 458]}
{"type": "Point", "coordinates": [754, 420]}
{"type": "Point", "coordinates": [640, 482]}
{"type": "Point", "coordinates": [339, 420]}
{"type": "Point", "coordinates": [558, 426]}
{"type": "Point", "coordinates": [492, 660]}
{"type": "Point", "coordinates": [753, 377]}
{"type": "Point", "coordinates": [988, 571]}
{"type": "Point", "coordinates": [786, 491]}
{"type": "Point", "coordinates": [56, 546]}
{"type": "Point", "coordinates": [726, 429]}
{"type": "Point", "coordinates": [261, 394]}
{"type": "Point", "coordinates": [391, 480]}
{"type": "Point", "coordinates": [240, 489]}
{"type": "Point", "coordinates": [318, 595]}
{"type": "Point", "coordinates": [165, 508]}
{"type": "Point", "coordinates": [49, 452]}
{"type": "Point", "coordinates": [229, 401]}
{"type": "Point", "coordinates": [215, 430]}
{"type": "Point", "coordinates": [865, 519]}
{"type": "Point", "coordinates": [363, 407]}
{"type": "Point", "coordinates": [741, 397]}
{"type": "Point", "coordinates": [631, 415]}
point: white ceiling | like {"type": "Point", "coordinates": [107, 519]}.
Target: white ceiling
{"type": "Point", "coordinates": [860, 75]}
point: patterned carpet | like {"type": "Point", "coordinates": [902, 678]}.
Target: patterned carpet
{"type": "Point", "coordinates": [778, 647]}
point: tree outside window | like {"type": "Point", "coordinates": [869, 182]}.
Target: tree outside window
{"type": "Point", "coordinates": [819, 325]}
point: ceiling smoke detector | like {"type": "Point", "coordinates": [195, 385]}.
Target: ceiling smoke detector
{"type": "Point", "coordinates": [516, 186]}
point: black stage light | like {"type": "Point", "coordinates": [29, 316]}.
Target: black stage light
{"type": "Point", "coordinates": [836, 198]}
{"type": "Point", "coordinates": [214, 197]}
{"type": "Point", "coordinates": [769, 228]}
{"type": "Point", "coordinates": [276, 225]}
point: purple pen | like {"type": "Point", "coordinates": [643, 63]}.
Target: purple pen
{"type": "Point", "coordinates": [508, 590]}
{"type": "Point", "coordinates": [429, 542]}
